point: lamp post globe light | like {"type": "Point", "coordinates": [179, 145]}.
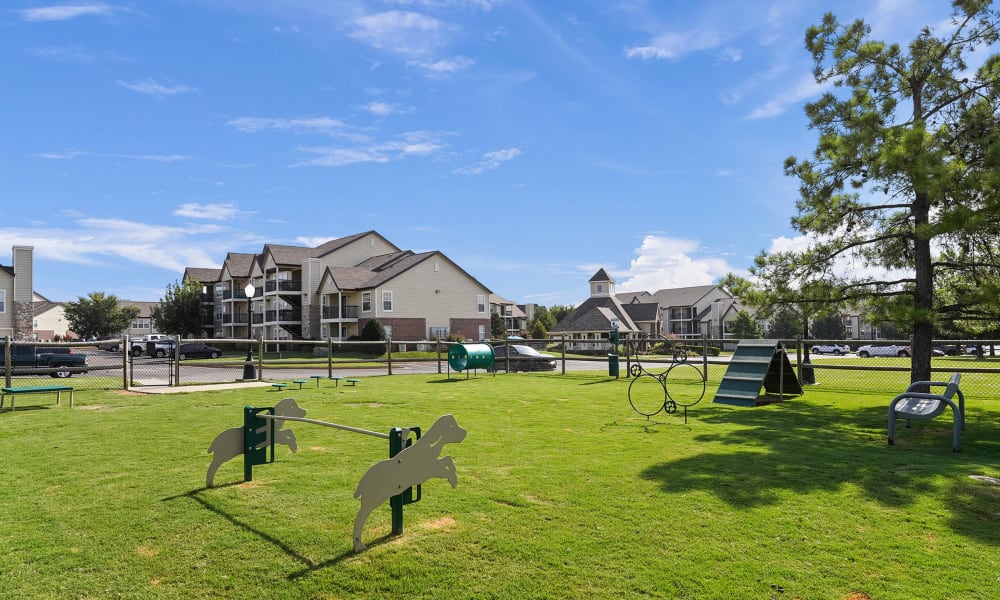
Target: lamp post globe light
{"type": "Point", "coordinates": [249, 372]}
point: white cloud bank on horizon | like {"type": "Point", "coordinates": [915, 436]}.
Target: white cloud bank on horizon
{"type": "Point", "coordinates": [663, 262]}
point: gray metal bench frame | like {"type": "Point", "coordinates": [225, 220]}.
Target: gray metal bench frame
{"type": "Point", "coordinates": [924, 406]}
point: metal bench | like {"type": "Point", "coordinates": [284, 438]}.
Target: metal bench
{"type": "Point", "coordinates": [317, 378]}
{"type": "Point", "coordinates": [279, 386]}
{"type": "Point", "coordinates": [35, 389]}
{"type": "Point", "coordinates": [300, 382]}
{"type": "Point", "coordinates": [336, 380]}
{"type": "Point", "coordinates": [353, 381]}
{"type": "Point", "coordinates": [923, 406]}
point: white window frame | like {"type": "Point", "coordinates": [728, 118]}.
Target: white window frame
{"type": "Point", "coordinates": [386, 301]}
{"type": "Point", "coordinates": [366, 299]}
{"type": "Point", "coordinates": [481, 303]}
{"type": "Point", "coordinates": [3, 301]}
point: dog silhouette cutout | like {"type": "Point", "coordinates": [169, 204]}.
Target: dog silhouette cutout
{"type": "Point", "coordinates": [229, 444]}
{"type": "Point", "coordinates": [412, 466]}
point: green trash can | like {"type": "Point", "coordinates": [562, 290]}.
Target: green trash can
{"type": "Point", "coordinates": [470, 356]}
{"type": "Point", "coordinates": [613, 365]}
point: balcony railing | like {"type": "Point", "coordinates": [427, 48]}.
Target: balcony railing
{"type": "Point", "coordinates": [334, 312]}
{"type": "Point", "coordinates": [284, 285]}
{"type": "Point", "coordinates": [282, 316]}
{"type": "Point", "coordinates": [258, 318]}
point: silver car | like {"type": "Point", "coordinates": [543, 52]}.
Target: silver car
{"type": "Point", "coordinates": [889, 350]}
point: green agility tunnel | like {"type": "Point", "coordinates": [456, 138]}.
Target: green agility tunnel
{"type": "Point", "coordinates": [470, 356]}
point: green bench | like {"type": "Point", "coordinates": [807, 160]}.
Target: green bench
{"type": "Point", "coordinates": [279, 386]}
{"type": "Point", "coordinates": [336, 381]}
{"type": "Point", "coordinates": [300, 382]}
{"type": "Point", "coordinates": [35, 389]}
{"type": "Point", "coordinates": [317, 378]}
{"type": "Point", "coordinates": [353, 381]}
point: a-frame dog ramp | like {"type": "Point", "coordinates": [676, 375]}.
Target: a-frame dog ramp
{"type": "Point", "coordinates": [758, 364]}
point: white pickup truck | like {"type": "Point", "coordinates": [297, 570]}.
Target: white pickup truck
{"type": "Point", "coordinates": [139, 344]}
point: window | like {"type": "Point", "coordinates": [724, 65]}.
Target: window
{"type": "Point", "coordinates": [600, 287]}
{"type": "Point", "coordinates": [366, 302]}
{"type": "Point", "coordinates": [481, 303]}
{"type": "Point", "coordinates": [387, 301]}
{"type": "Point", "coordinates": [3, 301]}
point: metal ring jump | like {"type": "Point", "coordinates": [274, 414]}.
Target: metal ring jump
{"type": "Point", "coordinates": [701, 377]}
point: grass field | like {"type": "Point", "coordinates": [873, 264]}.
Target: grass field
{"type": "Point", "coordinates": [564, 492]}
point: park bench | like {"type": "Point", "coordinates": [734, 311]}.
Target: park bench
{"type": "Point", "coordinates": [335, 380]}
{"type": "Point", "coordinates": [35, 389]}
{"type": "Point", "coordinates": [279, 386]}
{"type": "Point", "coordinates": [912, 405]}
{"type": "Point", "coordinates": [352, 381]}
{"type": "Point", "coordinates": [317, 378]}
{"type": "Point", "coordinates": [300, 382]}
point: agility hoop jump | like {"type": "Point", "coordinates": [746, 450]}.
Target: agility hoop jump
{"type": "Point", "coordinates": [411, 462]}
{"type": "Point", "coordinates": [648, 393]}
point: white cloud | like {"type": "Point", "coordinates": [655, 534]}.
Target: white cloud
{"type": "Point", "coordinates": [805, 88]}
{"type": "Point", "coordinates": [382, 109]}
{"type": "Point", "coordinates": [664, 262]}
{"type": "Point", "coordinates": [107, 242]}
{"type": "Point", "coordinates": [72, 154]}
{"type": "Point", "coordinates": [671, 45]}
{"type": "Point", "coordinates": [65, 12]}
{"type": "Point", "coordinates": [214, 212]}
{"type": "Point", "coordinates": [316, 124]}
{"type": "Point", "coordinates": [443, 68]}
{"type": "Point", "coordinates": [413, 143]}
{"type": "Point", "coordinates": [399, 32]}
{"type": "Point", "coordinates": [157, 90]}
{"type": "Point", "coordinates": [490, 161]}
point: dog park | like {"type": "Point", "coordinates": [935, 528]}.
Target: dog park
{"type": "Point", "coordinates": [563, 491]}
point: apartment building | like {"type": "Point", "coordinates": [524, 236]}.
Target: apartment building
{"type": "Point", "coordinates": [332, 290]}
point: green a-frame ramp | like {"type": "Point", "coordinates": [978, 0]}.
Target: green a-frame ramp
{"type": "Point", "coordinates": [757, 364]}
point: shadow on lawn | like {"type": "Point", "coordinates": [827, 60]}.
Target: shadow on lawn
{"type": "Point", "coordinates": [310, 565]}
{"type": "Point", "coordinates": [802, 447]}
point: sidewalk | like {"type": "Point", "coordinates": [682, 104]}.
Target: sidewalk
{"type": "Point", "coordinates": [211, 387]}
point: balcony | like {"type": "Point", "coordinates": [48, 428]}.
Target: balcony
{"type": "Point", "coordinates": [234, 319]}
{"type": "Point", "coordinates": [334, 312]}
{"type": "Point", "coordinates": [291, 315]}
{"type": "Point", "coordinates": [284, 285]}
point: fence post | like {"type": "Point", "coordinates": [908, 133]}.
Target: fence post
{"type": "Point", "coordinates": [388, 353]}
{"type": "Point", "coordinates": [260, 357]}
{"type": "Point", "coordinates": [329, 356]}
{"type": "Point", "coordinates": [177, 360]}
{"type": "Point", "coordinates": [704, 357]}
{"type": "Point", "coordinates": [126, 373]}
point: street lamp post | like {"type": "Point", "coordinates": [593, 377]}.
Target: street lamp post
{"type": "Point", "coordinates": [249, 372]}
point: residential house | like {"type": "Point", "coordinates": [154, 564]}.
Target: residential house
{"type": "Point", "coordinates": [589, 326]}
{"type": "Point", "coordinates": [17, 295]}
{"type": "Point", "coordinates": [49, 320]}
{"type": "Point", "coordinates": [332, 290]}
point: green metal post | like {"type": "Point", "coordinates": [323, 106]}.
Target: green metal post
{"type": "Point", "coordinates": [396, 444]}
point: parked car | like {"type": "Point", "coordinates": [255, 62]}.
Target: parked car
{"type": "Point", "coordinates": [889, 350]}
{"type": "Point", "coordinates": [108, 343]}
{"type": "Point", "coordinates": [199, 350]}
{"type": "Point", "coordinates": [946, 350]}
{"type": "Point", "coordinates": [518, 357]}
{"type": "Point", "coordinates": [837, 349]}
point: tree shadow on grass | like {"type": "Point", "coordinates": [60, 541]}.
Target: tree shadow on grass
{"type": "Point", "coordinates": [798, 447]}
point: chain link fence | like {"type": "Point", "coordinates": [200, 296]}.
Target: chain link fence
{"type": "Point", "coordinates": [125, 363]}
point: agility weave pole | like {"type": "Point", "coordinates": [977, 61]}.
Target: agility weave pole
{"type": "Point", "coordinates": [411, 462]}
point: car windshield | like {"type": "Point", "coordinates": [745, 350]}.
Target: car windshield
{"type": "Point", "coordinates": [526, 350]}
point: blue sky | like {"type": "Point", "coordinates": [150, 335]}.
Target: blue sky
{"type": "Point", "coordinates": [531, 142]}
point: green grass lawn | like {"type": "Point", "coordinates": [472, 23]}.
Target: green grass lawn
{"type": "Point", "coordinates": [564, 492]}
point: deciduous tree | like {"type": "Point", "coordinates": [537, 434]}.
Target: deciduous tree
{"type": "Point", "coordinates": [98, 314]}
